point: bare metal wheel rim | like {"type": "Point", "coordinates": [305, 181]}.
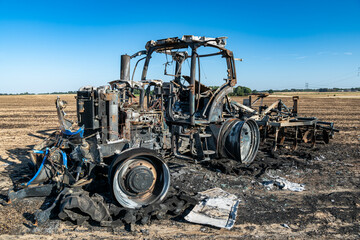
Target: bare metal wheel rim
{"type": "Point", "coordinates": [239, 140]}
{"type": "Point", "coordinates": [140, 181]}
{"type": "Point", "coordinates": [249, 141]}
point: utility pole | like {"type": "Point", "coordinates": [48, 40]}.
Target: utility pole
{"type": "Point", "coordinates": [306, 86]}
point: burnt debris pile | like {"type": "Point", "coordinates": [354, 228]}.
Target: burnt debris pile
{"type": "Point", "coordinates": [78, 205]}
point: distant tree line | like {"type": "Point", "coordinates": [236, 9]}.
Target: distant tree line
{"type": "Point", "coordinates": [241, 91]}
{"type": "Point", "coordinates": [68, 92]}
{"type": "Point", "coordinates": [24, 93]}
{"type": "Point", "coordinates": [355, 89]}
{"type": "Point", "coordinates": [27, 93]}
{"type": "Point", "coordinates": [238, 91]}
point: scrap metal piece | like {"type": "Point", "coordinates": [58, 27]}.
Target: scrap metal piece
{"type": "Point", "coordinates": [217, 208]}
{"type": "Point", "coordinates": [38, 191]}
{"type": "Point", "coordinates": [66, 126]}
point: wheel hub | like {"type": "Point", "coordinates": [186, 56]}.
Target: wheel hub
{"type": "Point", "coordinates": [139, 179]}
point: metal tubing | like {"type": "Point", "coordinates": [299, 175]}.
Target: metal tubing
{"type": "Point", "coordinates": [295, 106]}
{"type": "Point", "coordinates": [178, 72]}
{"type": "Point", "coordinates": [192, 87]}
{"type": "Point", "coordinates": [141, 99]}
{"type": "Point", "coordinates": [146, 65]}
{"type": "Point", "coordinates": [143, 77]}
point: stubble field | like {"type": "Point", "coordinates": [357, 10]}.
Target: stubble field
{"type": "Point", "coordinates": [328, 208]}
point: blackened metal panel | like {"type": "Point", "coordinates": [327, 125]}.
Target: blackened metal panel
{"type": "Point", "coordinates": [86, 109]}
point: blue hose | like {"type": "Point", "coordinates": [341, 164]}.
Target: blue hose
{"type": "Point", "coordinates": [41, 166]}
{"type": "Point", "coordinates": [39, 152]}
{"type": "Point", "coordinates": [70, 133]}
{"type": "Point", "coordinates": [64, 158]}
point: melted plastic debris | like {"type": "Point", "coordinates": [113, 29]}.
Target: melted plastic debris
{"type": "Point", "coordinates": [284, 184]}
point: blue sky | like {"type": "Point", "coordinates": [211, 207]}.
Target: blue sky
{"type": "Point", "coordinates": [54, 45]}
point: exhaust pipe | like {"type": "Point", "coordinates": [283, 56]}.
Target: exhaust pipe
{"type": "Point", "coordinates": [125, 68]}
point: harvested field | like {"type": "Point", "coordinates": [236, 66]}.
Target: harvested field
{"type": "Point", "coordinates": [328, 208]}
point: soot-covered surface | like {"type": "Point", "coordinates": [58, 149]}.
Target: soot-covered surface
{"type": "Point", "coordinates": [329, 205]}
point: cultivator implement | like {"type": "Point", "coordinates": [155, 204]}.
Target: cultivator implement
{"type": "Point", "coordinates": [280, 122]}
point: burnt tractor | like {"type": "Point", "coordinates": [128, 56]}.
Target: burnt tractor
{"type": "Point", "coordinates": [128, 128]}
